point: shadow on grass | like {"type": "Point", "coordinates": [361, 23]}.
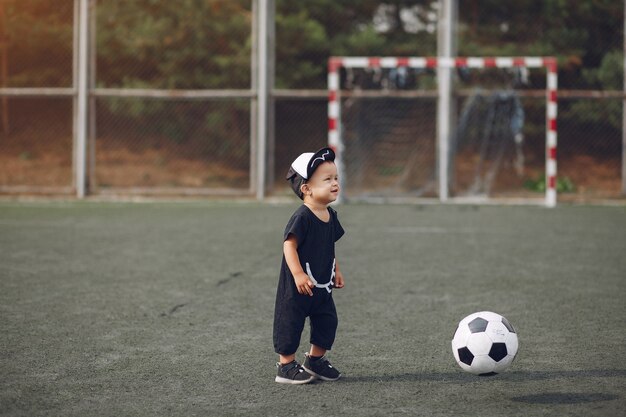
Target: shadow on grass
{"type": "Point", "coordinates": [512, 376]}
{"type": "Point", "coordinates": [519, 376]}
{"type": "Point", "coordinates": [564, 398]}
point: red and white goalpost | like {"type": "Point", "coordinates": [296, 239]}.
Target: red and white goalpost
{"type": "Point", "coordinates": [549, 63]}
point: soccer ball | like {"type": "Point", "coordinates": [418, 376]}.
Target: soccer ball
{"type": "Point", "coordinates": [484, 343]}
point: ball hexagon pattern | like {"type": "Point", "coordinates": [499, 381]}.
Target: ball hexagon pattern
{"type": "Point", "coordinates": [484, 343]}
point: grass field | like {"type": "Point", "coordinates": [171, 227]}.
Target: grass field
{"type": "Point", "coordinates": [166, 309]}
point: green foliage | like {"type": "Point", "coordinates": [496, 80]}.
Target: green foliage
{"type": "Point", "coordinates": [310, 31]}
{"type": "Point", "coordinates": [26, 156]}
{"type": "Point", "coordinates": [34, 29]}
{"type": "Point", "coordinates": [610, 74]}
{"type": "Point", "coordinates": [304, 47]}
{"type": "Point", "coordinates": [578, 35]}
{"type": "Point", "coordinates": [206, 44]}
{"type": "Point", "coordinates": [185, 44]}
{"type": "Point", "coordinates": [563, 184]}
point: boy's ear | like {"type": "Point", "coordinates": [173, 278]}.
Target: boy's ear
{"type": "Point", "coordinates": [304, 188]}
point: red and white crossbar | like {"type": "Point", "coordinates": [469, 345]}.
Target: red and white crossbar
{"type": "Point", "coordinates": [334, 107]}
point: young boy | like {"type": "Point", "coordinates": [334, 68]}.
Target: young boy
{"type": "Point", "coordinates": [309, 271]}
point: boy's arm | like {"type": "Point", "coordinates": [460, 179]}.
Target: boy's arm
{"type": "Point", "coordinates": [338, 276]}
{"type": "Point", "coordinates": [303, 283]}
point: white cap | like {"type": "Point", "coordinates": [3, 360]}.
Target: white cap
{"type": "Point", "coordinates": [303, 167]}
{"type": "Point", "coordinates": [301, 163]}
{"type": "Point", "coordinates": [306, 164]}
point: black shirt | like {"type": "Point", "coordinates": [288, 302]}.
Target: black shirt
{"type": "Point", "coordinates": [316, 245]}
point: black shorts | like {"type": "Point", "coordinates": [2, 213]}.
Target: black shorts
{"type": "Point", "coordinates": [291, 312]}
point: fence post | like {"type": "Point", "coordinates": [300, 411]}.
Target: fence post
{"type": "Point", "coordinates": [4, 44]}
{"type": "Point", "coordinates": [271, 115]}
{"type": "Point", "coordinates": [445, 48]}
{"type": "Point", "coordinates": [91, 109]}
{"type": "Point", "coordinates": [624, 111]}
{"type": "Point", "coordinates": [265, 21]}
{"type": "Point", "coordinates": [81, 112]}
{"type": "Point", "coordinates": [254, 82]}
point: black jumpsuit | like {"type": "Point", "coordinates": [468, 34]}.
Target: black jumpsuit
{"type": "Point", "coordinates": [316, 250]}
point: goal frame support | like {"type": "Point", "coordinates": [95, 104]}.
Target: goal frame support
{"type": "Point", "coordinates": [335, 64]}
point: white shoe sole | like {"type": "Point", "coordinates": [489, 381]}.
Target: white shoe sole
{"type": "Point", "coordinates": [323, 378]}
{"type": "Point", "coordinates": [282, 380]}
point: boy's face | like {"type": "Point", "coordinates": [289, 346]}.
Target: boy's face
{"type": "Point", "coordinates": [323, 186]}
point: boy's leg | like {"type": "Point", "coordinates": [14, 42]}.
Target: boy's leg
{"type": "Point", "coordinates": [285, 359]}
{"type": "Point", "coordinates": [323, 329]}
{"type": "Point", "coordinates": [288, 325]}
{"type": "Point", "coordinates": [287, 332]}
{"type": "Point", "coordinates": [320, 366]}
{"type": "Point", "coordinates": [292, 373]}
{"type": "Point", "coordinates": [317, 351]}
{"type": "Point", "coordinates": [324, 324]}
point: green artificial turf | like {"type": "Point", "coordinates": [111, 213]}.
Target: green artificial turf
{"type": "Point", "coordinates": [166, 309]}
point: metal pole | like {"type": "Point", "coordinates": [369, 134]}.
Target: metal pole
{"type": "Point", "coordinates": [254, 82]}
{"type": "Point", "coordinates": [4, 73]}
{"type": "Point", "coordinates": [91, 146]}
{"type": "Point", "coordinates": [624, 113]}
{"type": "Point", "coordinates": [445, 49]}
{"type": "Point", "coordinates": [551, 132]}
{"type": "Point", "coordinates": [335, 140]}
{"type": "Point", "coordinates": [262, 95]}
{"type": "Point", "coordinates": [82, 113]}
{"type": "Point", "coordinates": [74, 89]}
{"type": "Point", "coordinates": [270, 117]}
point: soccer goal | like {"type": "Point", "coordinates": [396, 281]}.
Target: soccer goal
{"type": "Point", "coordinates": [382, 124]}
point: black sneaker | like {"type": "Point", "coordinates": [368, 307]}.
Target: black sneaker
{"type": "Point", "coordinates": [321, 368]}
{"type": "Point", "coordinates": [292, 373]}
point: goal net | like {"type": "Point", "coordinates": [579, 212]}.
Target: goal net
{"type": "Point", "coordinates": [383, 114]}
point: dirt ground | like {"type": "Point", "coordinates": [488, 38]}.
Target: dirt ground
{"type": "Point", "coordinates": [28, 160]}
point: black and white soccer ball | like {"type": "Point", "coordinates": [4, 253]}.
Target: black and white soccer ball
{"type": "Point", "coordinates": [484, 343]}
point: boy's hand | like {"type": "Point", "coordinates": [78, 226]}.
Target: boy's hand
{"type": "Point", "coordinates": [304, 284]}
{"type": "Point", "coordinates": [338, 279]}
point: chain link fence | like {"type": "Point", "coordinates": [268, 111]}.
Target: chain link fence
{"type": "Point", "coordinates": [171, 145]}
{"type": "Point", "coordinates": [389, 130]}
{"type": "Point", "coordinates": [172, 96]}
{"type": "Point", "coordinates": [36, 136]}
{"type": "Point", "coordinates": [36, 147]}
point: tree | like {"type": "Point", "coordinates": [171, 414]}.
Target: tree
{"type": "Point", "coordinates": [39, 35]}
{"type": "Point", "coordinates": [310, 31]}
{"type": "Point", "coordinates": [578, 33]}
{"type": "Point", "coordinates": [184, 44]}
{"type": "Point", "coordinates": [203, 44]}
